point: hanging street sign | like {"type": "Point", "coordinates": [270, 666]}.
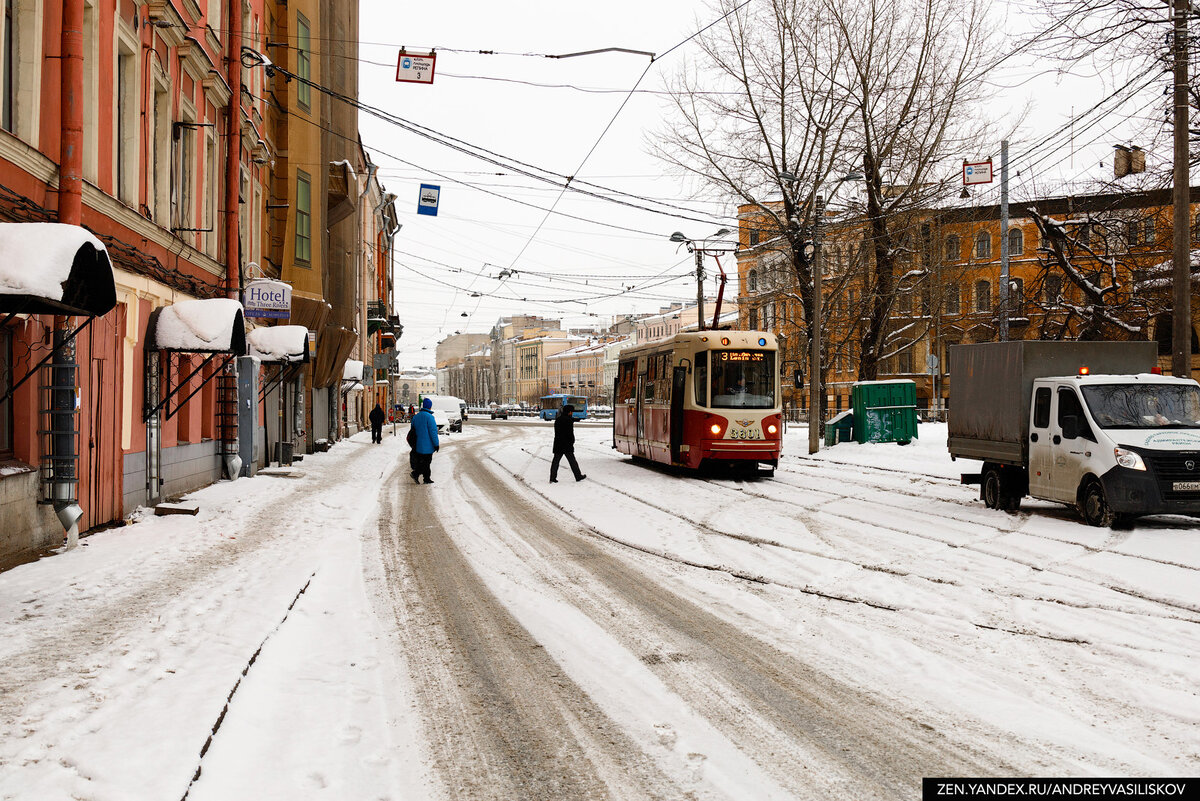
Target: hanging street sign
{"type": "Point", "coordinates": [979, 172]}
{"type": "Point", "coordinates": [427, 203]}
{"type": "Point", "coordinates": [415, 69]}
{"type": "Point", "coordinates": [266, 298]}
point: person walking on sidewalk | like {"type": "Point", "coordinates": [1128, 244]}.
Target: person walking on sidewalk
{"type": "Point", "coordinates": [376, 418]}
{"type": "Point", "coordinates": [423, 437]}
{"type": "Point", "coordinates": [564, 443]}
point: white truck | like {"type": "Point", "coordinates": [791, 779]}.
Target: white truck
{"type": "Point", "coordinates": [447, 411]}
{"type": "Point", "coordinates": [1088, 424]}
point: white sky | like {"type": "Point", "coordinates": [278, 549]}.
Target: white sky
{"type": "Point", "coordinates": [443, 259]}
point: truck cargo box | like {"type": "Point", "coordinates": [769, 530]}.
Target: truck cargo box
{"type": "Point", "coordinates": [991, 384]}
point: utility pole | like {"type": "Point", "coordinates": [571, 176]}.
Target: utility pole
{"type": "Point", "coordinates": [1004, 241]}
{"type": "Point", "coordinates": [1181, 314]}
{"type": "Point", "coordinates": [814, 359]}
{"type": "Point", "coordinates": [699, 288]}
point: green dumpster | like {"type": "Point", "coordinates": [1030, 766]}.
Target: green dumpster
{"type": "Point", "coordinates": [840, 428]}
{"type": "Point", "coordinates": [884, 411]}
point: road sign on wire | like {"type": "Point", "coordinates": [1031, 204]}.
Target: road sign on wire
{"type": "Point", "coordinates": [978, 172]}
{"type": "Point", "coordinates": [427, 203]}
{"type": "Point", "coordinates": [415, 69]}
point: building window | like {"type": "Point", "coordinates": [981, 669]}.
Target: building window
{"type": "Point", "coordinates": [303, 217]}
{"type": "Point", "coordinates": [953, 299]}
{"type": "Point", "coordinates": [1016, 242]}
{"type": "Point", "coordinates": [184, 196]}
{"type": "Point", "coordinates": [1052, 289]}
{"type": "Point", "coordinates": [127, 124]}
{"type": "Point", "coordinates": [983, 245]}
{"type": "Point", "coordinates": [752, 281]}
{"type": "Point", "coordinates": [983, 296]}
{"type": "Point", "coordinates": [1016, 297]}
{"type": "Point", "coordinates": [904, 302]}
{"type": "Point", "coordinates": [904, 359]}
{"type": "Point", "coordinates": [1148, 230]}
{"type": "Point", "coordinates": [10, 67]}
{"type": "Point", "coordinates": [6, 381]}
{"type": "Point", "coordinates": [303, 61]}
{"type": "Point", "coordinates": [753, 322]}
{"type": "Point", "coordinates": [210, 196]}
{"type": "Point", "coordinates": [161, 191]}
{"type": "Point", "coordinates": [753, 237]}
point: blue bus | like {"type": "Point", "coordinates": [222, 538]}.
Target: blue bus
{"type": "Point", "coordinates": [551, 404]}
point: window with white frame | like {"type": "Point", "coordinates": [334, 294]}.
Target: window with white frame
{"type": "Point", "coordinates": [21, 65]}
{"type": "Point", "coordinates": [91, 94]}
{"type": "Point", "coordinates": [126, 120]}
{"type": "Point", "coordinates": [210, 195]}
{"type": "Point", "coordinates": [160, 194]}
{"type": "Point", "coordinates": [983, 245]}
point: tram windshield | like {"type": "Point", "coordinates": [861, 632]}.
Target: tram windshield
{"type": "Point", "coordinates": [742, 379]}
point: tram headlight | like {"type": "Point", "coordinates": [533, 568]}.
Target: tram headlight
{"type": "Point", "coordinates": [715, 428]}
{"type": "Point", "coordinates": [771, 429]}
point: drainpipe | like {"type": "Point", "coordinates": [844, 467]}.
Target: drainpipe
{"type": "Point", "coordinates": [64, 480]}
{"type": "Point", "coordinates": [233, 161]}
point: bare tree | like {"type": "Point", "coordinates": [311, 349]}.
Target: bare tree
{"type": "Point", "coordinates": [763, 120]}
{"type": "Point", "coordinates": [914, 68]}
{"type": "Point", "coordinates": [808, 91]}
{"type": "Point", "coordinates": [1091, 283]}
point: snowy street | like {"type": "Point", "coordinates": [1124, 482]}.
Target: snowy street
{"type": "Point", "coordinates": [840, 630]}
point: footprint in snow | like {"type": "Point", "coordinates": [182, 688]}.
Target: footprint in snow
{"type": "Point", "coordinates": [666, 734]}
{"type": "Point", "coordinates": [349, 734]}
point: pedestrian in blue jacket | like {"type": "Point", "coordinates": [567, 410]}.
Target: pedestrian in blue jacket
{"type": "Point", "coordinates": [423, 437]}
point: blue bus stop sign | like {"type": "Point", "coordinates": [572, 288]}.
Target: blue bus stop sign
{"type": "Point", "coordinates": [427, 203]}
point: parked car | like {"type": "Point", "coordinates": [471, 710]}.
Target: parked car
{"type": "Point", "coordinates": [499, 412]}
{"type": "Point", "coordinates": [450, 407]}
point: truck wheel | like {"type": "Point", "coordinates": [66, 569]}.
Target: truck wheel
{"type": "Point", "coordinates": [993, 489]}
{"type": "Point", "coordinates": [1093, 506]}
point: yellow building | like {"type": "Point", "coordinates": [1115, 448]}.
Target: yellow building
{"type": "Point", "coordinates": [1096, 271]}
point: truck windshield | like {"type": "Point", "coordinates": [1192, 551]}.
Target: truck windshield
{"type": "Point", "coordinates": [743, 379]}
{"type": "Point", "coordinates": [1144, 405]}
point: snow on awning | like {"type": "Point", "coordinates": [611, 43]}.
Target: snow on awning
{"type": "Point", "coordinates": [280, 344]}
{"type": "Point", "coordinates": [352, 370]}
{"type": "Point", "coordinates": [211, 325]}
{"type": "Point", "coordinates": [53, 268]}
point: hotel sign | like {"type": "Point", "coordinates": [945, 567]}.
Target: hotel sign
{"type": "Point", "coordinates": [267, 298]}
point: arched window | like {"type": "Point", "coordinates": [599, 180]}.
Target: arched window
{"type": "Point", "coordinates": [953, 248]}
{"type": "Point", "coordinates": [752, 281]}
{"type": "Point", "coordinates": [1016, 242]}
{"type": "Point", "coordinates": [1052, 289]}
{"type": "Point", "coordinates": [953, 299]}
{"type": "Point", "coordinates": [1016, 297]}
{"type": "Point", "coordinates": [983, 245]}
{"type": "Point", "coordinates": [983, 296]}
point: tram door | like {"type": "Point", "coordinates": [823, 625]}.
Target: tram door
{"type": "Point", "coordinates": [640, 412]}
{"type": "Point", "coordinates": [678, 389]}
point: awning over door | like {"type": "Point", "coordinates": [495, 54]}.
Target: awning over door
{"type": "Point", "coordinates": [279, 344]}
{"type": "Point", "coordinates": [53, 268]}
{"type": "Point", "coordinates": [212, 325]}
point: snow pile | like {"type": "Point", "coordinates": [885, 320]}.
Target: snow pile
{"type": "Point", "coordinates": [38, 257]}
{"type": "Point", "coordinates": [280, 343]}
{"type": "Point", "coordinates": [197, 325]}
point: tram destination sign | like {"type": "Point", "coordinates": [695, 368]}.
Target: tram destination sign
{"type": "Point", "coordinates": [741, 356]}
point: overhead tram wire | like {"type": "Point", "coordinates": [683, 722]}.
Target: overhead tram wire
{"type": "Point", "coordinates": [445, 177]}
{"type": "Point", "coordinates": [507, 162]}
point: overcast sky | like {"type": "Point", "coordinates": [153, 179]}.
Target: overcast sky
{"type": "Point", "coordinates": [521, 107]}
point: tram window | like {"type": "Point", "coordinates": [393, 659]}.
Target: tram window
{"type": "Point", "coordinates": [701, 378]}
{"type": "Point", "coordinates": [627, 383]}
{"type": "Point", "coordinates": [743, 379]}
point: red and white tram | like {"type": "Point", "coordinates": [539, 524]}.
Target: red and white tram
{"type": "Point", "coordinates": [699, 399]}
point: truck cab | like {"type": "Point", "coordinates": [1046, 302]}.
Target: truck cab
{"type": "Point", "coordinates": [1116, 446]}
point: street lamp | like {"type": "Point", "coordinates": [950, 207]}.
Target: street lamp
{"type": "Point", "coordinates": [694, 246]}
{"type": "Point", "coordinates": [814, 362]}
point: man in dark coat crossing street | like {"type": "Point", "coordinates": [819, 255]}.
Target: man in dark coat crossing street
{"type": "Point", "coordinates": [564, 443]}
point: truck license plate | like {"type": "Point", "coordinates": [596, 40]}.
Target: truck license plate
{"type": "Point", "coordinates": [1186, 486]}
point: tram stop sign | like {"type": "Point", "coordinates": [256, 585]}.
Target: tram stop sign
{"type": "Point", "coordinates": [415, 69]}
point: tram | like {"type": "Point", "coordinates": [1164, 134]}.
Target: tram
{"type": "Point", "coordinates": [701, 398]}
